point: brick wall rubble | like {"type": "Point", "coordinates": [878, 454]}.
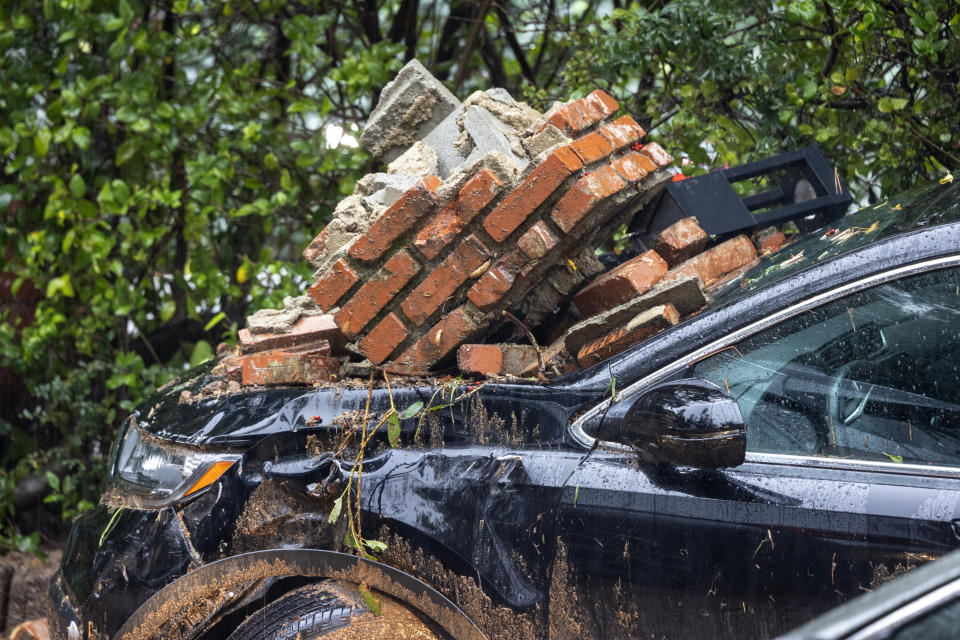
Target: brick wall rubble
{"type": "Point", "coordinates": [487, 217]}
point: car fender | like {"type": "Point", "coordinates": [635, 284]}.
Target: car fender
{"type": "Point", "coordinates": [178, 596]}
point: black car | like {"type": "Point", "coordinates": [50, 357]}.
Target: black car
{"type": "Point", "coordinates": [924, 605]}
{"type": "Point", "coordinates": [627, 500]}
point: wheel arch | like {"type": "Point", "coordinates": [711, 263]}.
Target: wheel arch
{"type": "Point", "coordinates": [147, 621]}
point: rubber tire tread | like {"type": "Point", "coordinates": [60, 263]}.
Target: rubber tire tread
{"type": "Point", "coordinates": [308, 611]}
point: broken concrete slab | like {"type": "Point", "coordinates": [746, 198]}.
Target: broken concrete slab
{"type": "Point", "coordinates": [442, 139]}
{"type": "Point", "coordinates": [487, 134]}
{"type": "Point", "coordinates": [386, 188]}
{"type": "Point", "coordinates": [419, 160]}
{"type": "Point", "coordinates": [273, 321]}
{"type": "Point", "coordinates": [545, 139]}
{"type": "Point", "coordinates": [411, 105]}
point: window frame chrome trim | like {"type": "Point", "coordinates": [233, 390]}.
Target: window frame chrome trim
{"type": "Point", "coordinates": [581, 438]}
{"type": "Point", "coordinates": [903, 616]}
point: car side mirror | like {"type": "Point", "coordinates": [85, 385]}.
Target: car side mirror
{"type": "Point", "coordinates": [690, 422]}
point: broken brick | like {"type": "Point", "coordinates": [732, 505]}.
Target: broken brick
{"type": "Point", "coordinates": [535, 189]}
{"type": "Point", "coordinates": [476, 194]}
{"type": "Point", "coordinates": [601, 104]}
{"type": "Point", "coordinates": [307, 329]}
{"type": "Point", "coordinates": [622, 132]}
{"type": "Point", "coordinates": [496, 281]}
{"type": "Point", "coordinates": [685, 294]}
{"type": "Point", "coordinates": [316, 248]}
{"type": "Point", "coordinates": [591, 148]}
{"type": "Point", "coordinates": [434, 290]}
{"type": "Point", "coordinates": [283, 366]}
{"type": "Point", "coordinates": [483, 359]}
{"type": "Point", "coordinates": [380, 342]}
{"type": "Point", "coordinates": [723, 258]}
{"type": "Point", "coordinates": [629, 280]}
{"type": "Point", "coordinates": [641, 327]}
{"type": "Point", "coordinates": [452, 330]}
{"type": "Point", "coordinates": [376, 293]}
{"type": "Point", "coordinates": [657, 154]}
{"type": "Point", "coordinates": [537, 241]}
{"type": "Point", "coordinates": [769, 240]}
{"type": "Point", "coordinates": [680, 241]}
{"type": "Point", "coordinates": [331, 286]}
{"type": "Point", "coordinates": [584, 195]}
{"type": "Point", "coordinates": [400, 217]}
{"type": "Point", "coordinates": [633, 167]}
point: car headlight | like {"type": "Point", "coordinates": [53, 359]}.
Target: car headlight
{"type": "Point", "coordinates": [162, 473]}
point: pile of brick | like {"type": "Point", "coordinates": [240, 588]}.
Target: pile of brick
{"type": "Point", "coordinates": [485, 222]}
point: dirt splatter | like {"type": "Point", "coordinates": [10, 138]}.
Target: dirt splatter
{"type": "Point", "coordinates": [495, 620]}
{"type": "Point", "coordinates": [395, 622]}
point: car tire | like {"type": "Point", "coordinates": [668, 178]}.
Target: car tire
{"type": "Point", "coordinates": [305, 613]}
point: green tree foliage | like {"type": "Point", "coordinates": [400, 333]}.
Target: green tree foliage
{"type": "Point", "coordinates": [873, 82]}
{"type": "Point", "coordinates": [164, 163]}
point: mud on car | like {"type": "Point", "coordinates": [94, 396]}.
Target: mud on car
{"type": "Point", "coordinates": [791, 446]}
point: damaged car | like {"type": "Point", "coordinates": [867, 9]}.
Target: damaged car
{"type": "Point", "coordinates": [792, 445]}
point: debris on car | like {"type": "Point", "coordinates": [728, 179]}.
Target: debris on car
{"type": "Point", "coordinates": [484, 233]}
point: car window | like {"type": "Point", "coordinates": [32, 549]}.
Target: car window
{"type": "Point", "coordinates": [872, 375]}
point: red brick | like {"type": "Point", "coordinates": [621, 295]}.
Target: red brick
{"type": "Point", "coordinates": [769, 242]}
{"type": "Point", "coordinates": [641, 327]}
{"type": "Point", "coordinates": [685, 270]}
{"type": "Point", "coordinates": [306, 330]}
{"type": "Point", "coordinates": [537, 187]}
{"type": "Point", "coordinates": [497, 281]}
{"type": "Point", "coordinates": [633, 167]}
{"type": "Point", "coordinates": [384, 338]}
{"type": "Point", "coordinates": [591, 148]}
{"type": "Point", "coordinates": [537, 241]}
{"type": "Point", "coordinates": [331, 286]}
{"type": "Point", "coordinates": [657, 154]}
{"type": "Point", "coordinates": [376, 293]}
{"type": "Point", "coordinates": [399, 218]}
{"type": "Point", "coordinates": [434, 290]}
{"type": "Point", "coordinates": [315, 249]}
{"type": "Point", "coordinates": [601, 103]}
{"type": "Point", "coordinates": [680, 241]}
{"type": "Point", "coordinates": [572, 118]}
{"type": "Point", "coordinates": [447, 225]}
{"type": "Point", "coordinates": [519, 359]}
{"type": "Point", "coordinates": [583, 196]}
{"type": "Point", "coordinates": [452, 329]}
{"type": "Point", "coordinates": [622, 132]}
{"type": "Point", "coordinates": [480, 358]}
{"type": "Point", "coordinates": [627, 281]}
{"type": "Point", "coordinates": [723, 258]}
{"type": "Point", "coordinates": [308, 366]}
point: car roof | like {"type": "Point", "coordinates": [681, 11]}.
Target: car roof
{"type": "Point", "coordinates": [920, 207]}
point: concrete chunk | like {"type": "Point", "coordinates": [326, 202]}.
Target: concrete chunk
{"type": "Point", "coordinates": [489, 134]}
{"type": "Point", "coordinates": [420, 160]}
{"type": "Point", "coordinates": [411, 105]}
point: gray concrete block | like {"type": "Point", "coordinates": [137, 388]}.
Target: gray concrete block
{"type": "Point", "coordinates": [489, 134]}
{"type": "Point", "coordinates": [441, 139]}
{"type": "Point", "coordinates": [413, 104]}
{"type": "Point", "coordinates": [386, 188]}
{"type": "Point", "coordinates": [549, 138]}
{"type": "Point", "coordinates": [419, 160]}
{"type": "Point", "coordinates": [500, 95]}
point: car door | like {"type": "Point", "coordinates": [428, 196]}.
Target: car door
{"type": "Point", "coordinates": [852, 476]}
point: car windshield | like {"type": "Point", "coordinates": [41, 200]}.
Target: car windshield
{"type": "Point", "coordinates": [921, 207]}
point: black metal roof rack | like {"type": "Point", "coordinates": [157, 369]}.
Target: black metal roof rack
{"type": "Point", "coordinates": [809, 193]}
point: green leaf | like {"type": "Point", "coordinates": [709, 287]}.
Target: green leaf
{"type": "Point", "coordinates": [41, 141]}
{"type": "Point", "coordinates": [393, 430]}
{"type": "Point", "coordinates": [888, 104]}
{"type": "Point", "coordinates": [214, 321]}
{"type": "Point", "coordinates": [893, 458]}
{"type": "Point", "coordinates": [804, 10]}
{"type": "Point", "coordinates": [202, 351]}
{"type": "Point", "coordinates": [411, 411]}
{"type": "Point", "coordinates": [53, 480]}
{"type": "Point", "coordinates": [337, 507]}
{"type": "Point", "coordinates": [167, 309]}
{"type": "Point", "coordinates": [78, 187]}
{"type": "Point", "coordinates": [376, 545]}
{"type": "Point", "coordinates": [81, 137]}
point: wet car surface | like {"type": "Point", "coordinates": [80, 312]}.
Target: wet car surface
{"type": "Point", "coordinates": [553, 510]}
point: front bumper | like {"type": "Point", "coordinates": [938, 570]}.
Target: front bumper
{"type": "Point", "coordinates": [105, 575]}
